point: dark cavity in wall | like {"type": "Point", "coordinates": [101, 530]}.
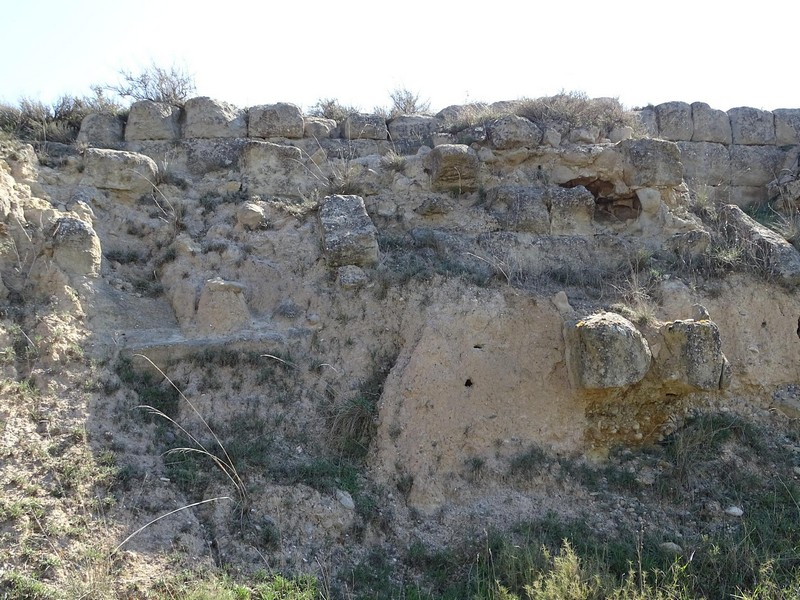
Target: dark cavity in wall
{"type": "Point", "coordinates": [609, 206]}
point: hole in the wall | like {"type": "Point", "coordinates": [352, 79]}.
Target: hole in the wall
{"type": "Point", "coordinates": [798, 326]}
{"type": "Point", "coordinates": [478, 346]}
{"type": "Point", "coordinates": [609, 206]}
{"type": "Point", "coordinates": [468, 383]}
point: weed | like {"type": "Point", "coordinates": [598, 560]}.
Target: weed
{"type": "Point", "coordinates": [529, 463]}
{"type": "Point", "coordinates": [393, 161]}
{"type": "Point", "coordinates": [636, 292]}
{"type": "Point", "coordinates": [124, 257]}
{"type": "Point", "coordinates": [14, 585]}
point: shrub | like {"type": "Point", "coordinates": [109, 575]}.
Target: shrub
{"type": "Point", "coordinates": [406, 102]}
{"type": "Point", "coordinates": [171, 85]}
{"type": "Point", "coordinates": [35, 121]}
{"type": "Point", "coordinates": [576, 109]}
{"type": "Point", "coordinates": [331, 108]}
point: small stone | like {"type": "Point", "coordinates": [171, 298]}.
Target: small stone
{"type": "Point", "coordinates": [797, 471]}
{"type": "Point", "coordinates": [734, 511]}
{"type": "Point", "coordinates": [345, 499]}
{"type": "Point", "coordinates": [351, 277]}
{"type": "Point", "coordinates": [671, 548]}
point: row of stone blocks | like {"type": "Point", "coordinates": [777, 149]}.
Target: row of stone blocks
{"type": "Point", "coordinates": [698, 122]}
{"type": "Point", "coordinates": [204, 118]}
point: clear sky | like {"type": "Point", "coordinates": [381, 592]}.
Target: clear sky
{"type": "Point", "coordinates": [724, 53]}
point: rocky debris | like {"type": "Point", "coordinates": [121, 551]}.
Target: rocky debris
{"type": "Point", "coordinates": [571, 210]}
{"type": "Point", "coordinates": [605, 350]}
{"type": "Point", "coordinates": [101, 130]}
{"type": "Point", "coordinates": [76, 247]}
{"type": "Point", "coordinates": [348, 235]}
{"type": "Point", "coordinates": [435, 206]}
{"type": "Point", "coordinates": [787, 399]}
{"type": "Point", "coordinates": [651, 163]}
{"type": "Point", "coordinates": [358, 126]}
{"type": "Point", "coordinates": [149, 120]}
{"type": "Point", "coordinates": [276, 120]}
{"type": "Point", "coordinates": [208, 118]}
{"type": "Point", "coordinates": [710, 125]}
{"type": "Point", "coordinates": [751, 126]}
{"type": "Point", "coordinates": [674, 121]}
{"type": "Point", "coordinates": [691, 356]}
{"type": "Point", "coordinates": [452, 167]}
{"type": "Point", "coordinates": [250, 216]}
{"type": "Point", "coordinates": [689, 245]}
{"type": "Point", "coordinates": [520, 208]}
{"type": "Point", "coordinates": [119, 170]}
{"type": "Point", "coordinates": [763, 245]}
{"type": "Point", "coordinates": [222, 308]}
{"type": "Point", "coordinates": [512, 131]}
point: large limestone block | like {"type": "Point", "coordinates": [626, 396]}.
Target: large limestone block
{"type": "Point", "coordinates": [710, 125]}
{"type": "Point", "coordinates": [604, 351]}
{"type": "Point", "coordinates": [571, 210]}
{"type": "Point", "coordinates": [319, 128]}
{"type": "Point", "coordinates": [222, 308]}
{"type": "Point", "coordinates": [648, 121]}
{"type": "Point", "coordinates": [118, 170]}
{"type": "Point", "coordinates": [520, 208]}
{"type": "Point", "coordinates": [348, 235]}
{"type": "Point", "coordinates": [153, 121]}
{"type": "Point", "coordinates": [512, 131]}
{"type": "Point", "coordinates": [751, 126]}
{"type": "Point", "coordinates": [755, 165]}
{"type": "Point", "coordinates": [674, 121]}
{"type": "Point", "coordinates": [276, 169]}
{"type": "Point", "coordinates": [452, 167]}
{"type": "Point", "coordinates": [771, 251]}
{"type": "Point", "coordinates": [76, 247]}
{"type": "Point", "coordinates": [359, 126]}
{"type": "Point", "coordinates": [209, 118]}
{"type": "Point", "coordinates": [706, 163]}
{"type": "Point", "coordinates": [276, 120]}
{"type": "Point", "coordinates": [101, 130]}
{"type": "Point", "coordinates": [651, 163]}
{"type": "Point", "coordinates": [691, 355]}
{"type": "Point", "coordinates": [787, 126]}
{"type": "Point", "coordinates": [413, 128]}
{"type": "Point", "coordinates": [209, 155]}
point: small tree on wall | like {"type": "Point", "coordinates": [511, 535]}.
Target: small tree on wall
{"type": "Point", "coordinates": [171, 85]}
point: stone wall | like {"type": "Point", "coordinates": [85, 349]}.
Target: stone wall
{"type": "Point", "coordinates": [729, 156]}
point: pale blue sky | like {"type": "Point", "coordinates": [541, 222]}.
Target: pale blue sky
{"type": "Point", "coordinates": [450, 52]}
